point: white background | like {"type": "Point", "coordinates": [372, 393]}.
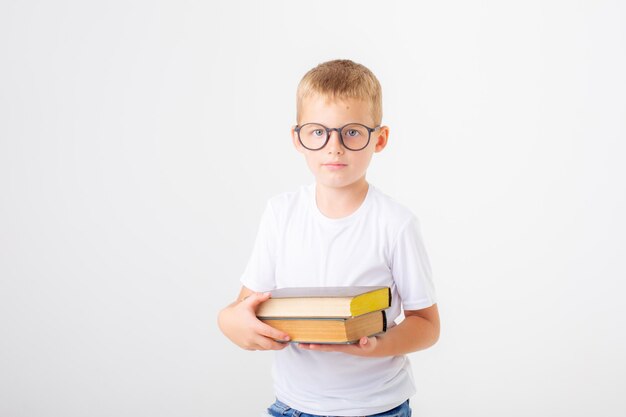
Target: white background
{"type": "Point", "coordinates": [139, 142]}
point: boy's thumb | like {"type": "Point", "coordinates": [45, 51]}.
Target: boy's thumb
{"type": "Point", "coordinates": [257, 298]}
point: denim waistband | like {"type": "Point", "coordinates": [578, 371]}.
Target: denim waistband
{"type": "Point", "coordinates": [282, 409]}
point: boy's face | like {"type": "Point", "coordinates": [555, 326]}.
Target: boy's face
{"type": "Point", "coordinates": [335, 166]}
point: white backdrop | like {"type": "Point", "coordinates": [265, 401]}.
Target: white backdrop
{"type": "Point", "coordinates": [139, 142]}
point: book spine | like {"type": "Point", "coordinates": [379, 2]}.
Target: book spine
{"type": "Point", "coordinates": [384, 321]}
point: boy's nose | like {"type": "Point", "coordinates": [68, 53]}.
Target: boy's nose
{"type": "Point", "coordinates": [334, 142]}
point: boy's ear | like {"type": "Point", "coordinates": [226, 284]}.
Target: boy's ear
{"type": "Point", "coordinates": [381, 138]}
{"type": "Point", "coordinates": [294, 139]}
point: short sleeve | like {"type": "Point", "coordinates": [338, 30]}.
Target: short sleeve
{"type": "Point", "coordinates": [410, 268]}
{"type": "Point", "coordinates": [259, 274]}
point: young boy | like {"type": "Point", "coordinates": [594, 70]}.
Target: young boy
{"type": "Point", "coordinates": [339, 231]}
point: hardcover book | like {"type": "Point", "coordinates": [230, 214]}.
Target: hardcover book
{"type": "Point", "coordinates": [331, 330]}
{"type": "Point", "coordinates": [339, 302]}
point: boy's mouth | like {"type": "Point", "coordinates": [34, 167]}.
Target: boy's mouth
{"type": "Point", "coordinates": [335, 165]}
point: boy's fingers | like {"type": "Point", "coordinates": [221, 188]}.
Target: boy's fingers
{"type": "Point", "coordinates": [321, 348]}
{"type": "Point", "coordinates": [254, 299]}
{"type": "Point", "coordinates": [272, 333]}
{"type": "Point", "coordinates": [269, 344]}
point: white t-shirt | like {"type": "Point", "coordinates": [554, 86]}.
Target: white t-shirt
{"type": "Point", "coordinates": [379, 244]}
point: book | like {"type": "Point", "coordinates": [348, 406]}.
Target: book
{"type": "Point", "coordinates": [330, 330]}
{"type": "Point", "coordinates": [326, 302]}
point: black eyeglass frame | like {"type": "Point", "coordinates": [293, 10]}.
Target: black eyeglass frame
{"type": "Point", "coordinates": [338, 129]}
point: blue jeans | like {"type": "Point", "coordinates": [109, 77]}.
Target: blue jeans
{"type": "Point", "coordinates": [279, 409]}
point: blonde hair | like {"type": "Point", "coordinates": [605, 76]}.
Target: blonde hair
{"type": "Point", "coordinates": [341, 79]}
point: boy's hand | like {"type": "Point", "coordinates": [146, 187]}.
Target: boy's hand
{"type": "Point", "coordinates": [365, 347]}
{"type": "Point", "coordinates": [240, 324]}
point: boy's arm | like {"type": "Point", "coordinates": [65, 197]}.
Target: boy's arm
{"type": "Point", "coordinates": [419, 330]}
{"type": "Point", "coordinates": [239, 323]}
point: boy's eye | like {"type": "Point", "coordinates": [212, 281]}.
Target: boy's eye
{"type": "Point", "coordinates": [318, 132]}
{"type": "Point", "coordinates": [352, 132]}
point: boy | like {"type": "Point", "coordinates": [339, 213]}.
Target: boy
{"type": "Point", "coordinates": [338, 231]}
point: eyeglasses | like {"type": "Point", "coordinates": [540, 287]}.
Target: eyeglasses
{"type": "Point", "coordinates": [353, 136]}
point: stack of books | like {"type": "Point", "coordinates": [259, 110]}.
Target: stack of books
{"type": "Point", "coordinates": [327, 314]}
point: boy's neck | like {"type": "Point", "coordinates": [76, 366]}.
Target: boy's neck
{"type": "Point", "coordinates": [336, 203]}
